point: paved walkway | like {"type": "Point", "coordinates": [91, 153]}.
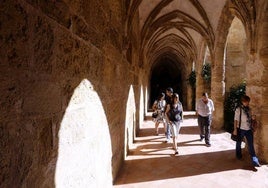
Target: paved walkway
{"type": "Point", "coordinates": [152, 164]}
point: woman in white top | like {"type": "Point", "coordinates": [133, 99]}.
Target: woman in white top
{"type": "Point", "coordinates": [242, 128]}
{"type": "Point", "coordinates": [159, 107]}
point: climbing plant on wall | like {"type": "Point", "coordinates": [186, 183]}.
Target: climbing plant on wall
{"type": "Point", "coordinates": [192, 79]}
{"type": "Point", "coordinates": [232, 100]}
{"type": "Point", "coordinates": [206, 72]}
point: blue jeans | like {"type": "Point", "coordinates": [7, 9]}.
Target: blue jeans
{"type": "Point", "coordinates": [249, 136]}
{"type": "Point", "coordinates": [168, 133]}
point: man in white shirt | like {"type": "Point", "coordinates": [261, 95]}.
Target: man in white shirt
{"type": "Point", "coordinates": [204, 109]}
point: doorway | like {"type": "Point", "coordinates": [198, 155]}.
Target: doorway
{"type": "Point", "coordinates": [165, 73]}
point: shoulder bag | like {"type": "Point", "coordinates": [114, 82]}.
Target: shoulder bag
{"type": "Point", "coordinates": [235, 137]}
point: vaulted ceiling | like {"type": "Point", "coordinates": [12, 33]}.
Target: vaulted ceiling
{"type": "Point", "coordinates": [177, 27]}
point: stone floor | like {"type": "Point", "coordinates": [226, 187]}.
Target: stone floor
{"type": "Point", "coordinates": [152, 163]}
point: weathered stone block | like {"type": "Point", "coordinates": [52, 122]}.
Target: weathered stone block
{"type": "Point", "coordinates": [42, 98]}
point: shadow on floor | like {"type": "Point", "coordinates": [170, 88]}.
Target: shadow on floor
{"type": "Point", "coordinates": [152, 159]}
{"type": "Point", "coordinates": [161, 168]}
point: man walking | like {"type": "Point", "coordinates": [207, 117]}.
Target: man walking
{"type": "Point", "coordinates": [204, 109]}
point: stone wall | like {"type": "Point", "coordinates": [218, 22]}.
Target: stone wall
{"type": "Point", "coordinates": [262, 73]}
{"type": "Point", "coordinates": [63, 83]}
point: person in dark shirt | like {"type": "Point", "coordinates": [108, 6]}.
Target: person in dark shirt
{"type": "Point", "coordinates": [168, 99]}
{"type": "Point", "coordinates": [174, 114]}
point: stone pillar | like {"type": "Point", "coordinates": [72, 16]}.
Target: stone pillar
{"type": "Point", "coordinates": [257, 89]}
{"type": "Point", "coordinates": [217, 88]}
{"type": "Point", "coordinates": [200, 84]}
{"type": "Point", "coordinates": [189, 95]}
{"type": "Point", "coordinates": [263, 104]}
{"type": "Point", "coordinates": [199, 81]}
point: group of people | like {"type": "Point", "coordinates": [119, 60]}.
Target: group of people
{"type": "Point", "coordinates": [169, 110]}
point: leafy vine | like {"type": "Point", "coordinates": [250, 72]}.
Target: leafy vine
{"type": "Point", "coordinates": [206, 72]}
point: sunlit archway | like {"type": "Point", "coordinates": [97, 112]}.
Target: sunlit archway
{"type": "Point", "coordinates": [84, 151]}
{"type": "Point", "coordinates": [130, 121]}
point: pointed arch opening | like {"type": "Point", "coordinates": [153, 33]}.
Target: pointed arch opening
{"type": "Point", "coordinates": [235, 54]}
{"type": "Point", "coordinates": [234, 69]}
{"type": "Point", "coordinates": [84, 145]}
{"type": "Point", "coordinates": [166, 72]}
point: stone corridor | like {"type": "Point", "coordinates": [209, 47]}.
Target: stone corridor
{"type": "Point", "coordinates": [78, 78]}
{"type": "Point", "coordinates": [152, 164]}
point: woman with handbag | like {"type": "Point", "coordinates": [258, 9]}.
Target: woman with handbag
{"type": "Point", "coordinates": [158, 114]}
{"type": "Point", "coordinates": [243, 128]}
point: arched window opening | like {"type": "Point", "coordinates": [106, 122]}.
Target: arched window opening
{"type": "Point", "coordinates": [235, 55]}
{"type": "Point", "coordinates": [234, 70]}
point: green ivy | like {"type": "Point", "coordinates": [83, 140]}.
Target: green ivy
{"type": "Point", "coordinates": [206, 72]}
{"type": "Point", "coordinates": [232, 100]}
{"type": "Point", "coordinates": [192, 79]}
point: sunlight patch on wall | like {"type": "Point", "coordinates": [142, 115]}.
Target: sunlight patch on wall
{"type": "Point", "coordinates": [84, 154]}
{"type": "Point", "coordinates": [146, 101]}
{"type": "Point", "coordinates": [130, 121]}
{"type": "Point", "coordinates": [143, 111]}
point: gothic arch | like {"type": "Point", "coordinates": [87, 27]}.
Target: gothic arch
{"type": "Point", "coordinates": [245, 14]}
{"type": "Point", "coordinates": [235, 55]}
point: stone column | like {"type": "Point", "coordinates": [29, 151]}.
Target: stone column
{"type": "Point", "coordinates": [189, 98]}
{"type": "Point", "coordinates": [200, 84]}
{"type": "Point", "coordinates": [217, 88]}
{"type": "Point", "coordinates": [263, 104]}
{"type": "Point", "coordinates": [199, 81]}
